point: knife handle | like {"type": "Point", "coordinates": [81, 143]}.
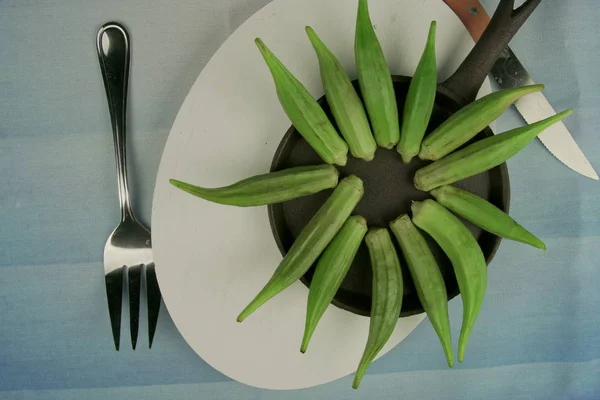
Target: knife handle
{"type": "Point", "coordinates": [472, 15]}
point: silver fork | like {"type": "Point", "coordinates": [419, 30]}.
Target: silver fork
{"type": "Point", "coordinates": [128, 250]}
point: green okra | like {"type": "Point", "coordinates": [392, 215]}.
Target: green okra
{"type": "Point", "coordinates": [469, 121]}
{"type": "Point", "coordinates": [375, 81]}
{"type": "Point", "coordinates": [419, 101]}
{"type": "Point", "coordinates": [313, 239]}
{"type": "Point", "coordinates": [305, 113]}
{"type": "Point", "coordinates": [427, 278]}
{"type": "Point", "coordinates": [386, 297]}
{"type": "Point", "coordinates": [481, 155]}
{"type": "Point", "coordinates": [466, 256]}
{"type": "Point", "coordinates": [330, 272]}
{"type": "Point", "coordinates": [345, 104]}
{"type": "Point", "coordinates": [274, 187]}
{"type": "Point", "coordinates": [484, 214]}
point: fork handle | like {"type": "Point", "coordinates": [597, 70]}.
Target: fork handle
{"type": "Point", "coordinates": [112, 43]}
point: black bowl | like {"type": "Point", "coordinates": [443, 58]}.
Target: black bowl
{"type": "Point", "coordinates": [389, 191]}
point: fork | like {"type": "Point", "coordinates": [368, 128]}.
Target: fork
{"type": "Point", "coordinates": [128, 250]}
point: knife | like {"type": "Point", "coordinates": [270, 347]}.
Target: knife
{"type": "Point", "coordinates": [508, 73]}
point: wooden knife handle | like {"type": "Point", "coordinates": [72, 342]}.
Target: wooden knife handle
{"type": "Point", "coordinates": [472, 15]}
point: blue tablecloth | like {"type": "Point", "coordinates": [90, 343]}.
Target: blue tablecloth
{"type": "Point", "coordinates": [538, 336]}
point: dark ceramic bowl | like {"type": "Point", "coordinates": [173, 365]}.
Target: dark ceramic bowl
{"type": "Point", "coordinates": [389, 188]}
{"type": "Point", "coordinates": [389, 191]}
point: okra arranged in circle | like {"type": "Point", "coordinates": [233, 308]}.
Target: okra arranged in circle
{"type": "Point", "coordinates": [305, 113]}
{"type": "Point", "coordinates": [330, 272]}
{"type": "Point", "coordinates": [345, 104]}
{"type": "Point", "coordinates": [386, 297]}
{"type": "Point", "coordinates": [419, 101]}
{"type": "Point", "coordinates": [313, 239]}
{"type": "Point", "coordinates": [484, 214]}
{"type": "Point", "coordinates": [469, 121]}
{"type": "Point", "coordinates": [427, 278]}
{"type": "Point", "coordinates": [375, 80]}
{"type": "Point", "coordinates": [466, 257]}
{"type": "Point", "coordinates": [481, 155]}
{"type": "Point", "coordinates": [274, 187]}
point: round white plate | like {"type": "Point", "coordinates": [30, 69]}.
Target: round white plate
{"type": "Point", "coordinates": [211, 260]}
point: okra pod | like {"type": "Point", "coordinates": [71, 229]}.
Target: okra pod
{"type": "Point", "coordinates": [345, 104]}
{"type": "Point", "coordinates": [469, 121]}
{"type": "Point", "coordinates": [419, 101]}
{"type": "Point", "coordinates": [386, 297]}
{"type": "Point", "coordinates": [274, 187]}
{"type": "Point", "coordinates": [375, 80]}
{"type": "Point", "coordinates": [330, 272]}
{"type": "Point", "coordinates": [484, 214]}
{"type": "Point", "coordinates": [305, 113]}
{"type": "Point", "coordinates": [466, 256]}
{"type": "Point", "coordinates": [313, 239]}
{"type": "Point", "coordinates": [481, 155]}
{"type": "Point", "coordinates": [427, 278]}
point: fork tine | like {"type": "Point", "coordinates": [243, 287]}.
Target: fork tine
{"type": "Point", "coordinates": [153, 297]}
{"type": "Point", "coordinates": [114, 296]}
{"type": "Point", "coordinates": [134, 275]}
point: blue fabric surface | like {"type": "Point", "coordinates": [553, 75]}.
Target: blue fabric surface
{"type": "Point", "coordinates": [538, 334]}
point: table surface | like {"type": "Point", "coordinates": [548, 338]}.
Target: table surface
{"type": "Point", "coordinates": [537, 336]}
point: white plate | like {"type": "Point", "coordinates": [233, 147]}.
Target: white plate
{"type": "Point", "coordinates": [210, 259]}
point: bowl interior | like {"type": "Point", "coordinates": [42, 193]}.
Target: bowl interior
{"type": "Point", "coordinates": [389, 192]}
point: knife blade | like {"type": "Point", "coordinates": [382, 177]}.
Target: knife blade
{"type": "Point", "coordinates": [508, 73]}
